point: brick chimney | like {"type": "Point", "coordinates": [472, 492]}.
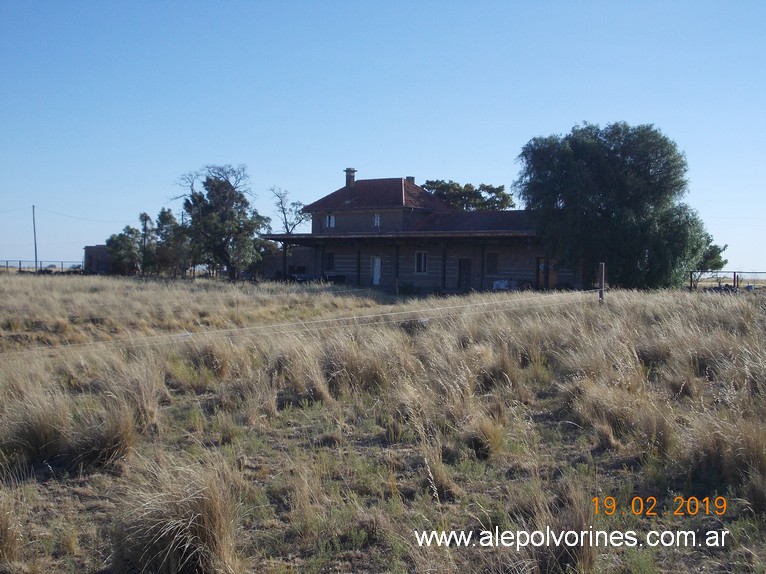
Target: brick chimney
{"type": "Point", "coordinates": [410, 178]}
{"type": "Point", "coordinates": [350, 175]}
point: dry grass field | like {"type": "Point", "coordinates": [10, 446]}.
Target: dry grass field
{"type": "Point", "coordinates": [210, 428]}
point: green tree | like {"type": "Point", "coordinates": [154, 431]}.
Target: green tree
{"type": "Point", "coordinates": [148, 244]}
{"type": "Point", "coordinates": [712, 260]}
{"type": "Point", "coordinates": [712, 257]}
{"type": "Point", "coordinates": [470, 198]}
{"type": "Point", "coordinates": [171, 244]}
{"type": "Point", "coordinates": [613, 194]}
{"type": "Point", "coordinates": [222, 225]}
{"type": "Point", "coordinates": [125, 251]}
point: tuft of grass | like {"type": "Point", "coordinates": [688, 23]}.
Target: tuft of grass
{"type": "Point", "coordinates": [723, 454]}
{"type": "Point", "coordinates": [617, 414]}
{"type": "Point", "coordinates": [214, 358]}
{"type": "Point", "coordinates": [224, 428]}
{"type": "Point", "coordinates": [437, 481]}
{"type": "Point", "coordinates": [37, 430]}
{"type": "Point", "coordinates": [754, 492]}
{"type": "Point", "coordinates": [573, 511]}
{"type": "Point", "coordinates": [143, 389]}
{"type": "Point", "coordinates": [11, 538]}
{"type": "Point", "coordinates": [485, 436]}
{"type": "Point", "coordinates": [656, 431]}
{"type": "Point", "coordinates": [179, 519]}
{"type": "Point", "coordinates": [102, 436]}
{"type": "Point", "coordinates": [182, 374]}
{"type": "Point", "coordinates": [56, 432]}
{"type": "Point", "coordinates": [352, 366]}
{"type": "Point", "coordinates": [605, 439]}
{"type": "Point", "coordinates": [296, 374]}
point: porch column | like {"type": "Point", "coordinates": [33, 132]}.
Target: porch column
{"type": "Point", "coordinates": [284, 260]}
{"type": "Point", "coordinates": [444, 265]}
{"type": "Point", "coordinates": [396, 268]}
{"type": "Point", "coordinates": [358, 266]}
{"type": "Point", "coordinates": [396, 263]}
{"type": "Point", "coordinates": [481, 266]}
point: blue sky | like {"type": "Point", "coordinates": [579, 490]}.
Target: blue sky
{"type": "Point", "coordinates": [103, 105]}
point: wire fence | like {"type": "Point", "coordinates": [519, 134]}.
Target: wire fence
{"type": "Point", "coordinates": [728, 280]}
{"type": "Point", "coordinates": [747, 281]}
{"type": "Point", "coordinates": [407, 318]}
{"type": "Point", "coordinates": [42, 266]}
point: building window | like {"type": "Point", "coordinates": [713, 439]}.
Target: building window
{"type": "Point", "coordinates": [330, 220]}
{"type": "Point", "coordinates": [329, 261]}
{"type": "Point", "coordinates": [491, 263]}
{"type": "Point", "coordinates": [421, 262]}
{"type": "Point", "coordinates": [376, 220]}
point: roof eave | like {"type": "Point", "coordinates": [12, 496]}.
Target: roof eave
{"type": "Point", "coordinates": [403, 235]}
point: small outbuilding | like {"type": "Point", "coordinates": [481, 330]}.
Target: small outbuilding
{"type": "Point", "coordinates": [96, 260]}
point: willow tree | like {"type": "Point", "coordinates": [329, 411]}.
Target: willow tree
{"type": "Point", "coordinates": [613, 194]}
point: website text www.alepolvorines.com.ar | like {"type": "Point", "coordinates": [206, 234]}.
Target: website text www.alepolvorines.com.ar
{"type": "Point", "coordinates": [520, 539]}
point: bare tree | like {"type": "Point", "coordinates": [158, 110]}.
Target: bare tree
{"type": "Point", "coordinates": [291, 215]}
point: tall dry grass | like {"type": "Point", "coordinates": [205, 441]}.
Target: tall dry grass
{"type": "Point", "coordinates": [53, 310]}
{"type": "Point", "coordinates": [363, 421]}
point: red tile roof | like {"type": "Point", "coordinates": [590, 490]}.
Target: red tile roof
{"type": "Point", "coordinates": [384, 193]}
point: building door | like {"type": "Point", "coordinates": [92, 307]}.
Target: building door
{"type": "Point", "coordinates": [547, 275]}
{"type": "Point", "coordinates": [464, 274]}
{"type": "Point", "coordinates": [553, 274]}
{"type": "Point", "coordinates": [376, 268]}
{"type": "Point", "coordinates": [540, 283]}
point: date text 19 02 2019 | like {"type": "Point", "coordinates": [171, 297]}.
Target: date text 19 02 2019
{"type": "Point", "coordinates": [647, 506]}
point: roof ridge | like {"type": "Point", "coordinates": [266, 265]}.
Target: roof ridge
{"type": "Point", "coordinates": [377, 193]}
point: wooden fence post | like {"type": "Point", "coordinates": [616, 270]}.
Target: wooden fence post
{"type": "Point", "coordinates": [601, 282]}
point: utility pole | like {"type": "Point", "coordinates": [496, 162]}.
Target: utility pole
{"type": "Point", "coordinates": [34, 233]}
{"type": "Point", "coordinates": [143, 247]}
{"type": "Point", "coordinates": [183, 241]}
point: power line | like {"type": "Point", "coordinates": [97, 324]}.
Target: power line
{"type": "Point", "coordinates": [18, 209]}
{"type": "Point", "coordinates": [81, 218]}
{"type": "Point", "coordinates": [14, 210]}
